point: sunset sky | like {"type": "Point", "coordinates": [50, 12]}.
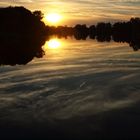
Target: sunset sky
{"type": "Point", "coordinates": [82, 11]}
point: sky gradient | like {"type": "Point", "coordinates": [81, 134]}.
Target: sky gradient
{"type": "Point", "coordinates": [82, 11]}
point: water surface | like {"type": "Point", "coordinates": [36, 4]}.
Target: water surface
{"type": "Point", "coordinates": [78, 89]}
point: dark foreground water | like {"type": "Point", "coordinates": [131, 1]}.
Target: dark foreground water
{"type": "Point", "coordinates": [78, 90]}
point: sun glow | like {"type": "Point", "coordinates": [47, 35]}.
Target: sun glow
{"type": "Point", "coordinates": [53, 18]}
{"type": "Point", "coordinates": [54, 44]}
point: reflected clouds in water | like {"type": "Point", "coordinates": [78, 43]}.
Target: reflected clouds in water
{"type": "Point", "coordinates": [24, 51]}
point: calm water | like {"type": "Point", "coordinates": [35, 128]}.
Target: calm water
{"type": "Point", "coordinates": [78, 88]}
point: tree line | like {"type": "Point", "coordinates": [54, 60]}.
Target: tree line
{"type": "Point", "coordinates": [122, 30]}
{"type": "Point", "coordinates": [119, 32]}
{"type": "Point", "coordinates": [22, 34]}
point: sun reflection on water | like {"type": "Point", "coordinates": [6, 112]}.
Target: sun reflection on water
{"type": "Point", "coordinates": [52, 44]}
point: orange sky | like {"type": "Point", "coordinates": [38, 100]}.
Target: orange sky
{"type": "Point", "coordinates": [82, 11]}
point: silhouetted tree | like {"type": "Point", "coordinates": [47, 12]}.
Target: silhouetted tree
{"type": "Point", "coordinates": [21, 35]}
{"type": "Point", "coordinates": [92, 31]}
{"type": "Point", "coordinates": [81, 31]}
{"type": "Point", "coordinates": [38, 14]}
{"type": "Point", "coordinates": [103, 31]}
{"type": "Point", "coordinates": [20, 22]}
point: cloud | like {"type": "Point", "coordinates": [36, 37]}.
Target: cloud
{"type": "Point", "coordinates": [84, 9]}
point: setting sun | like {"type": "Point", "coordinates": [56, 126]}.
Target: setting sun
{"type": "Point", "coordinates": [53, 18]}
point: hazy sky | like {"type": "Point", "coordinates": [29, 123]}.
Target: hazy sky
{"type": "Point", "coordinates": [82, 11]}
